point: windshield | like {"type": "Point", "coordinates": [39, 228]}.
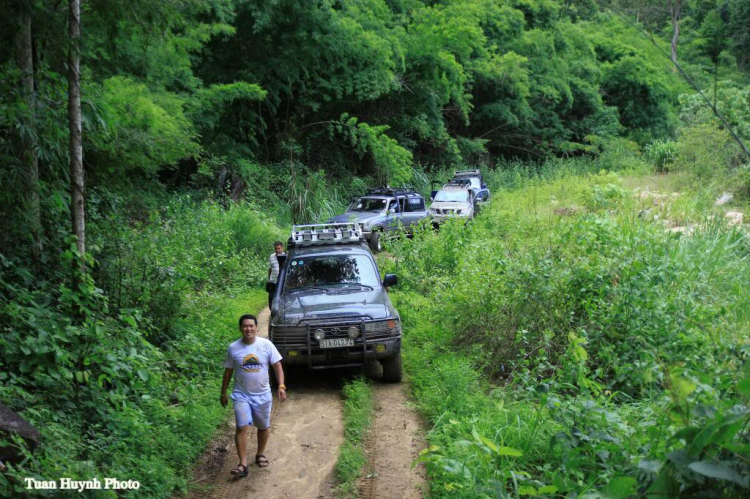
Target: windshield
{"type": "Point", "coordinates": [452, 197]}
{"type": "Point", "coordinates": [330, 270]}
{"type": "Point", "coordinates": [368, 204]}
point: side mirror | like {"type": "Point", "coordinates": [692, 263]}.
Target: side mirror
{"type": "Point", "coordinates": [392, 211]}
{"type": "Point", "coordinates": [390, 280]}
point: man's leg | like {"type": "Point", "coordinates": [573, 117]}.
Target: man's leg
{"type": "Point", "coordinates": [240, 440]}
{"type": "Point", "coordinates": [261, 409]}
{"type": "Point", "coordinates": [243, 417]}
{"type": "Point", "coordinates": [262, 441]}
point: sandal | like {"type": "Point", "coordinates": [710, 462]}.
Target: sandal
{"type": "Point", "coordinates": [240, 471]}
{"type": "Point", "coordinates": [261, 461]}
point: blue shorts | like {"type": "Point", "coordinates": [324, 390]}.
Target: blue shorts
{"type": "Point", "coordinates": [252, 409]}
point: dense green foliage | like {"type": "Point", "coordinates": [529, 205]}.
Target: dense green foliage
{"type": "Point", "coordinates": [144, 366]}
{"type": "Point", "coordinates": [564, 344]}
{"type": "Point", "coordinates": [211, 125]}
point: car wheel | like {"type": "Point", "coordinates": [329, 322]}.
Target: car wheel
{"type": "Point", "coordinates": [375, 243]}
{"type": "Point", "coordinates": [392, 369]}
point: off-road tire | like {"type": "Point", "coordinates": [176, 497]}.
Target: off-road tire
{"type": "Point", "coordinates": [392, 369]}
{"type": "Point", "coordinates": [375, 243]}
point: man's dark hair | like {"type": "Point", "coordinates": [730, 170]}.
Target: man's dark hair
{"type": "Point", "coordinates": [278, 243]}
{"type": "Point", "coordinates": [248, 316]}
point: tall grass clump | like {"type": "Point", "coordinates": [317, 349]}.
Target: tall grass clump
{"type": "Point", "coordinates": [574, 346]}
{"type": "Point", "coordinates": [661, 153]}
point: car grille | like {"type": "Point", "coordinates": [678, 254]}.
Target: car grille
{"type": "Point", "coordinates": [289, 336]}
{"type": "Point", "coordinates": [295, 336]}
{"type": "Point", "coordinates": [445, 211]}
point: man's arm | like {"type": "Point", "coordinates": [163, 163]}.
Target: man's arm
{"type": "Point", "coordinates": [280, 378]}
{"type": "Point", "coordinates": [224, 385]}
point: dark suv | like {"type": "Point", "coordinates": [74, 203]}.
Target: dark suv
{"type": "Point", "coordinates": [331, 308]}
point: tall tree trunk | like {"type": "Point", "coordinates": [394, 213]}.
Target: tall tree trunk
{"type": "Point", "coordinates": [675, 16]}
{"type": "Point", "coordinates": [74, 122]}
{"type": "Point", "coordinates": [25, 60]}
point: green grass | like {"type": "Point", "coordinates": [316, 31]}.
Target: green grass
{"type": "Point", "coordinates": [358, 409]}
{"type": "Point", "coordinates": [558, 352]}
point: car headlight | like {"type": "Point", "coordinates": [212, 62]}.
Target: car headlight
{"type": "Point", "coordinates": [390, 325]}
{"type": "Point", "coordinates": [319, 334]}
{"type": "Point", "coordinates": [353, 332]}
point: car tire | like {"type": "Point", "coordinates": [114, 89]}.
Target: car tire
{"type": "Point", "coordinates": [375, 243]}
{"type": "Point", "coordinates": [392, 369]}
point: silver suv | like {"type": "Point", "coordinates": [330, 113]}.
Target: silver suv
{"type": "Point", "coordinates": [452, 201]}
{"type": "Point", "coordinates": [331, 307]}
{"type": "Point", "coordinates": [384, 210]}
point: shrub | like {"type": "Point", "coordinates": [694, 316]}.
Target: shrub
{"type": "Point", "coordinates": [661, 153]}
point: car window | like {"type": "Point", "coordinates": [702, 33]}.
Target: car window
{"type": "Point", "coordinates": [368, 204]}
{"type": "Point", "coordinates": [415, 204]}
{"type": "Point", "coordinates": [452, 197]}
{"type": "Point", "coordinates": [330, 270]}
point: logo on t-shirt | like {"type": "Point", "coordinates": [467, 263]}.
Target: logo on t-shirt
{"type": "Point", "coordinates": [251, 364]}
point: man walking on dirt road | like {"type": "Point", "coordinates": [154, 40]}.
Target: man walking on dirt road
{"type": "Point", "coordinates": [249, 359]}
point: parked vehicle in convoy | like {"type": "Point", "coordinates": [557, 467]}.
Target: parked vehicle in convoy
{"type": "Point", "coordinates": [331, 307]}
{"type": "Point", "coordinates": [452, 201]}
{"type": "Point", "coordinates": [384, 210]}
{"type": "Point", "coordinates": [474, 180]}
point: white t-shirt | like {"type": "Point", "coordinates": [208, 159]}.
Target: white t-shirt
{"type": "Point", "coordinates": [273, 264]}
{"type": "Point", "coordinates": [250, 364]}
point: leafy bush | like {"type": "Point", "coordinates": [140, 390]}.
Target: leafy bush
{"type": "Point", "coordinates": [621, 348]}
{"type": "Point", "coordinates": [661, 153]}
{"type": "Point", "coordinates": [706, 151]}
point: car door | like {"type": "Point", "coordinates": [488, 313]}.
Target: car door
{"type": "Point", "coordinates": [481, 200]}
{"type": "Point", "coordinates": [393, 213]}
{"type": "Point", "coordinates": [415, 211]}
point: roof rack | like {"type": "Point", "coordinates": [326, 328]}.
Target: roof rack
{"type": "Point", "coordinates": [319, 234]}
{"type": "Point", "coordinates": [391, 191]}
{"type": "Point", "coordinates": [467, 172]}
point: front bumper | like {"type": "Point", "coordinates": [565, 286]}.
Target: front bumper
{"type": "Point", "coordinates": [306, 351]}
{"type": "Point", "coordinates": [440, 218]}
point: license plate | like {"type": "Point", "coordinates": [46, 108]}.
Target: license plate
{"type": "Point", "coordinates": [336, 343]}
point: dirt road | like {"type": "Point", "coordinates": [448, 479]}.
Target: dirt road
{"type": "Point", "coordinates": [306, 433]}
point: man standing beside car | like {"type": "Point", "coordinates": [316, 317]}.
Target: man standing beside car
{"type": "Point", "coordinates": [274, 264]}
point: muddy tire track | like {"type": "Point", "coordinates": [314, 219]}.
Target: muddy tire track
{"type": "Point", "coordinates": [392, 445]}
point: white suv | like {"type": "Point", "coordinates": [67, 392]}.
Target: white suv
{"type": "Point", "coordinates": [452, 201]}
